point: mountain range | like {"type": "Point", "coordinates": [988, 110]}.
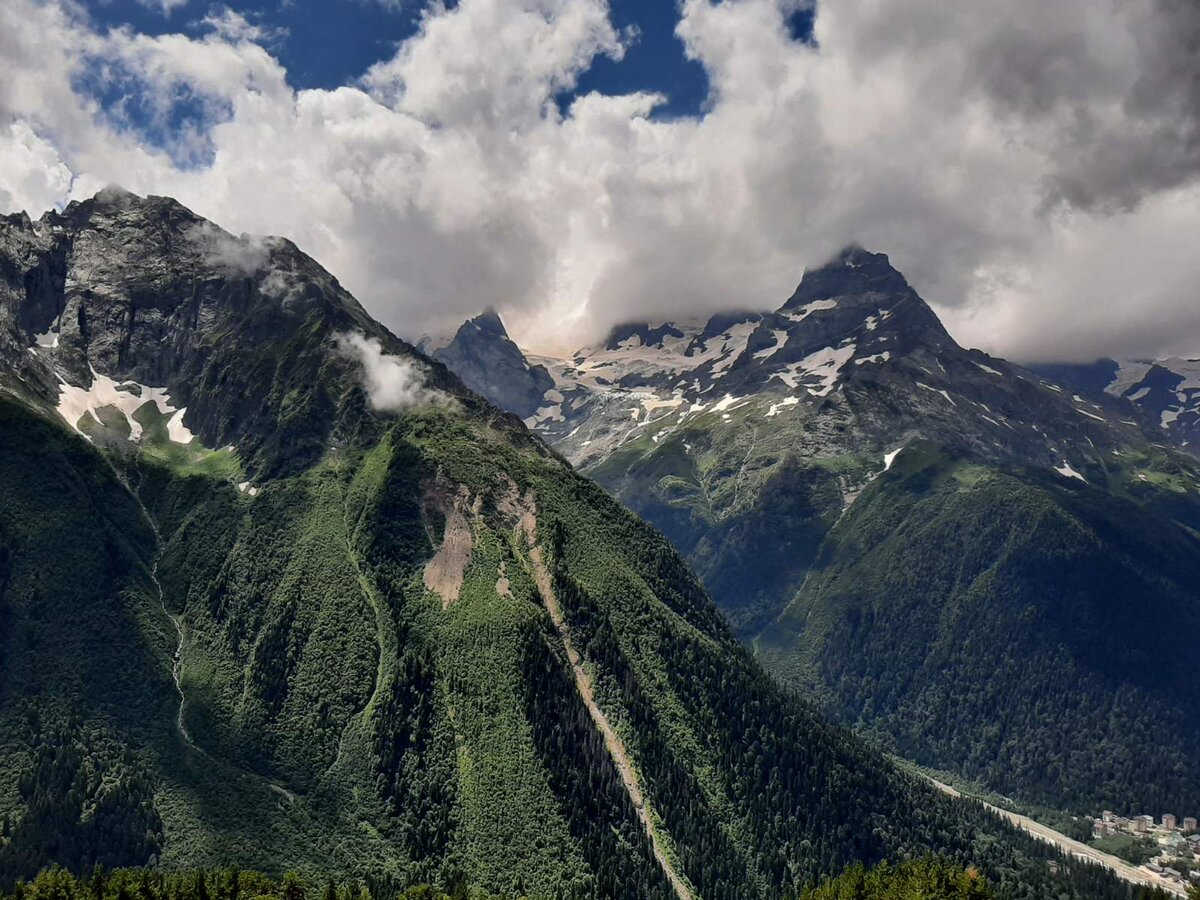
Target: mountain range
{"type": "Point", "coordinates": [991, 569]}
{"type": "Point", "coordinates": [278, 591]}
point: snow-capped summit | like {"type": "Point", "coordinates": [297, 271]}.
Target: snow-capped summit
{"type": "Point", "coordinates": [718, 431]}
{"type": "Point", "coordinates": [854, 345]}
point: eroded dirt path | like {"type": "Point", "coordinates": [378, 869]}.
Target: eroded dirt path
{"type": "Point", "coordinates": [583, 683]}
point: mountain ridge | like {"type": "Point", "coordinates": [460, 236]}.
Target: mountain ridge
{"type": "Point", "coordinates": [371, 679]}
{"type": "Point", "coordinates": [801, 466]}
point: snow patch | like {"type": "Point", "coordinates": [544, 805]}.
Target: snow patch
{"type": "Point", "coordinates": [889, 458]}
{"type": "Point", "coordinates": [776, 407]}
{"type": "Point", "coordinates": [177, 431]}
{"type": "Point", "coordinates": [1066, 471]}
{"type": "Point", "coordinates": [1129, 374]}
{"type": "Point", "coordinates": [126, 397]}
{"type": "Point", "coordinates": [876, 358]}
{"type": "Point", "coordinates": [725, 403]}
{"type": "Point", "coordinates": [799, 315]}
{"type": "Point", "coordinates": [825, 366]}
{"type": "Point", "coordinates": [872, 322]}
{"type": "Point", "coordinates": [989, 370]}
{"type": "Point", "coordinates": [781, 337]}
{"type": "Point", "coordinates": [733, 344]}
{"type": "Point", "coordinates": [651, 403]}
{"type": "Point", "coordinates": [937, 391]}
{"type": "Point", "coordinates": [552, 413]}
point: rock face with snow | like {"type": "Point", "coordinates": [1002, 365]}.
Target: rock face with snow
{"type": "Point", "coordinates": [489, 363]}
{"type": "Point", "coordinates": [1166, 392]}
{"type": "Point", "coordinates": [122, 311]}
{"type": "Point", "coordinates": [750, 433]}
{"type": "Point", "coordinates": [855, 346]}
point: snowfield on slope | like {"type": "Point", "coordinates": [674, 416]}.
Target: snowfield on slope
{"type": "Point", "coordinates": [127, 397]}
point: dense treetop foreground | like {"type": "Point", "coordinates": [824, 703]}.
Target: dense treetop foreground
{"type": "Point", "coordinates": [278, 592]}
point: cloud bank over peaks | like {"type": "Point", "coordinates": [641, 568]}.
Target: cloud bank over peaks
{"type": "Point", "coordinates": [1034, 170]}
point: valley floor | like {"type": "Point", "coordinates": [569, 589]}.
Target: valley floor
{"type": "Point", "coordinates": [1133, 874]}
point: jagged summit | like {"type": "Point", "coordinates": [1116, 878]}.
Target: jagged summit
{"type": "Point", "coordinates": [489, 363]}
{"type": "Point", "coordinates": [854, 272]}
{"type": "Point", "coordinates": [855, 343]}
{"type": "Point", "coordinates": [487, 322]}
{"type": "Point", "coordinates": [115, 194]}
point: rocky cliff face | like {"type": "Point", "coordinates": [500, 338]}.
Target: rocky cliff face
{"type": "Point", "coordinates": [1165, 393]}
{"type": "Point", "coordinates": [855, 359]}
{"type": "Point", "coordinates": [489, 363]}
{"type": "Point", "coordinates": [237, 332]}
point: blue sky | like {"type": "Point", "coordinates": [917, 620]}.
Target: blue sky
{"type": "Point", "coordinates": [332, 42]}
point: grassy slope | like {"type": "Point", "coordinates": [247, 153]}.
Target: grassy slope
{"type": "Point", "coordinates": [739, 498]}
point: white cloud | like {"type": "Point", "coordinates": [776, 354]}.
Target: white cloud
{"type": "Point", "coordinates": [244, 256]}
{"type": "Point", "coordinates": [393, 384]}
{"type": "Point", "coordinates": [233, 26]}
{"type": "Point", "coordinates": [166, 7]}
{"type": "Point", "coordinates": [33, 176]}
{"type": "Point", "coordinates": [1031, 181]}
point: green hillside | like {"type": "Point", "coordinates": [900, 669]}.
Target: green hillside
{"type": "Point", "coordinates": [296, 600]}
{"type": "Point", "coordinates": [1057, 663]}
{"type": "Point", "coordinates": [342, 717]}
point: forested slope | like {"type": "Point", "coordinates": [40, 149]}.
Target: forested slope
{"type": "Point", "coordinates": [411, 643]}
{"type": "Point", "coordinates": [1056, 663]}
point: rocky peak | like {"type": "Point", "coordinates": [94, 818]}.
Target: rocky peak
{"type": "Point", "coordinates": [859, 296]}
{"type": "Point", "coordinates": [489, 363]}
{"type": "Point", "coordinates": [487, 323]}
{"type": "Point", "coordinates": [239, 331]}
{"type": "Point", "coordinates": [854, 272]}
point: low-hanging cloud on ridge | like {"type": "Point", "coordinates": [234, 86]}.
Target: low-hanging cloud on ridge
{"type": "Point", "coordinates": [393, 384]}
{"type": "Point", "coordinates": [1034, 169]}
